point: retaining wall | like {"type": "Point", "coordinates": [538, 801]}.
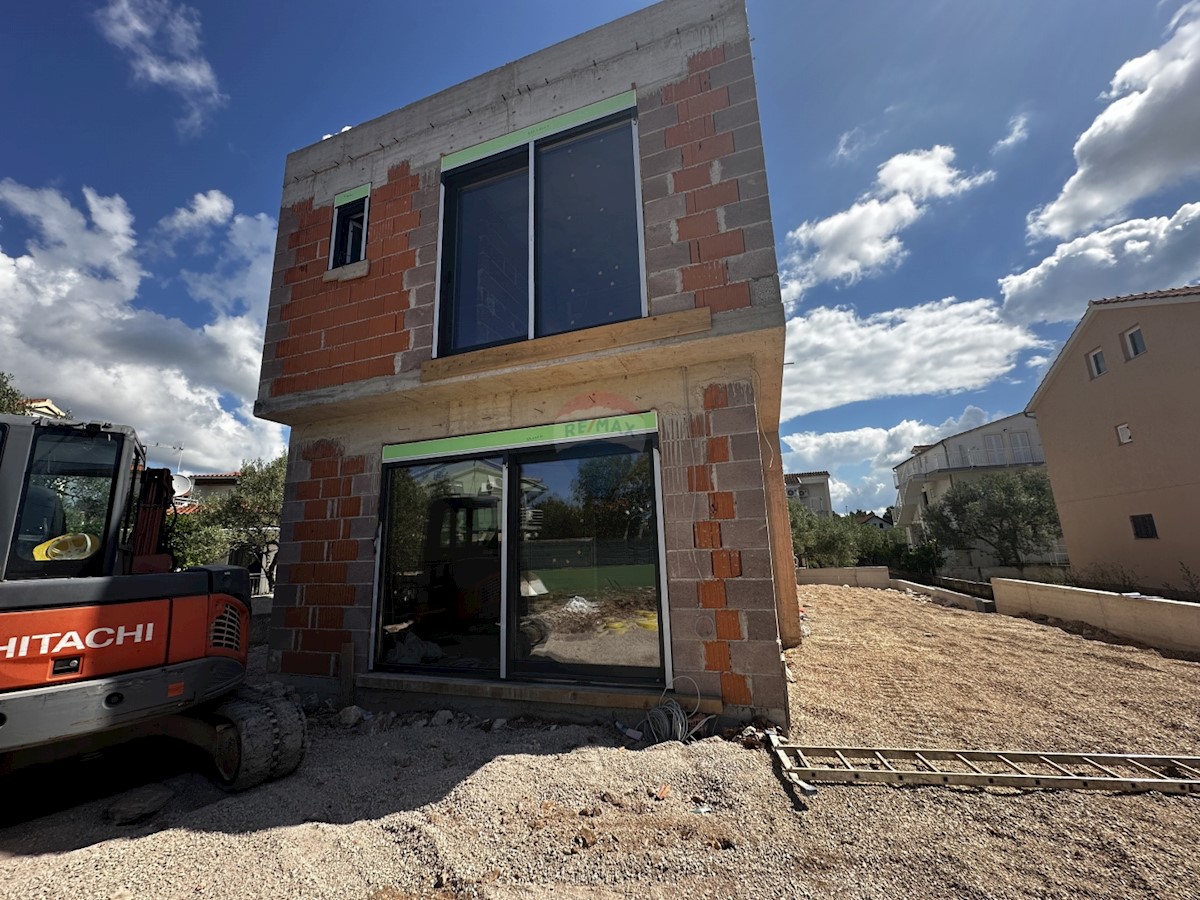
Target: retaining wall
{"type": "Point", "coordinates": [1166, 624]}
{"type": "Point", "coordinates": [855, 576]}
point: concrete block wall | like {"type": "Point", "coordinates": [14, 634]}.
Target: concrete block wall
{"type": "Point", "coordinates": [722, 596]}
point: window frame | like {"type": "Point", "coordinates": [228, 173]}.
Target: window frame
{"type": "Point", "coordinates": [519, 150]}
{"type": "Point", "coordinates": [511, 446]}
{"type": "Point", "coordinates": [1127, 342]}
{"type": "Point", "coordinates": [1144, 522]}
{"type": "Point", "coordinates": [341, 203]}
{"type": "Point", "coordinates": [1094, 370]}
{"type": "Point", "coordinates": [1124, 434]}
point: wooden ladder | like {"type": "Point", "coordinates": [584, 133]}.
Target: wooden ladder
{"type": "Point", "coordinates": [806, 766]}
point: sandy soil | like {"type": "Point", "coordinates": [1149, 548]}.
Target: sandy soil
{"type": "Point", "coordinates": [410, 808]}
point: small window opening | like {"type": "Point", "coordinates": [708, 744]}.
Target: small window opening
{"type": "Point", "coordinates": [1143, 526]}
{"type": "Point", "coordinates": [349, 232]}
{"type": "Point", "coordinates": [1096, 364]}
{"type": "Point", "coordinates": [1135, 343]}
{"type": "Point", "coordinates": [1124, 435]}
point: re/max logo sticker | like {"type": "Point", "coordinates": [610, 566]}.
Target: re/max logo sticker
{"type": "Point", "coordinates": [608, 426]}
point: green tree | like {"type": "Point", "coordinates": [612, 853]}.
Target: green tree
{"type": "Point", "coordinates": [823, 541]}
{"type": "Point", "coordinates": [1012, 513]}
{"type": "Point", "coordinates": [249, 516]}
{"type": "Point", "coordinates": [615, 493]}
{"type": "Point", "coordinates": [196, 541]}
{"type": "Point", "coordinates": [12, 401]}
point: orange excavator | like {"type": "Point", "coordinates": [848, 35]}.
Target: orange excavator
{"type": "Point", "coordinates": [101, 639]}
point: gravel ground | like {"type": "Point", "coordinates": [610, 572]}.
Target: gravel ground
{"type": "Point", "coordinates": [409, 807]}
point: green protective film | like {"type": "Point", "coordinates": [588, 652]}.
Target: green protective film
{"type": "Point", "coordinates": [558, 432]}
{"type": "Point", "coordinates": [597, 110]}
{"type": "Point", "coordinates": [351, 195]}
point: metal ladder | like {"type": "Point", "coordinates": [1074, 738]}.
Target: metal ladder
{"type": "Point", "coordinates": [802, 766]}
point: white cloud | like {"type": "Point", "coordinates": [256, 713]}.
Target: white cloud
{"type": "Point", "coordinates": [852, 143]}
{"type": "Point", "coordinates": [73, 331]}
{"type": "Point", "coordinates": [206, 211]}
{"type": "Point", "coordinates": [162, 43]}
{"type": "Point", "coordinates": [242, 274]}
{"type": "Point", "coordinates": [870, 453]}
{"type": "Point", "coordinates": [945, 346]}
{"type": "Point", "coordinates": [1134, 256]}
{"type": "Point", "coordinates": [862, 241]}
{"type": "Point", "coordinates": [1018, 131]}
{"type": "Point", "coordinates": [1145, 140]}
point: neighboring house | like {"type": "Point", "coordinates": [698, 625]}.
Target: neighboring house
{"type": "Point", "coordinates": [206, 488]}
{"type": "Point", "coordinates": [926, 476]}
{"type": "Point", "coordinates": [810, 489]}
{"type": "Point", "coordinates": [528, 336]}
{"type": "Point", "coordinates": [873, 521]}
{"type": "Point", "coordinates": [1120, 421]}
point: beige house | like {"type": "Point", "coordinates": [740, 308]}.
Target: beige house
{"type": "Point", "coordinates": [926, 476]}
{"type": "Point", "coordinates": [1119, 416]}
{"type": "Point", "coordinates": [810, 489]}
{"type": "Point", "coordinates": [528, 335]}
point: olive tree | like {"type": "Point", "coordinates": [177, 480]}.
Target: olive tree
{"type": "Point", "coordinates": [1012, 513]}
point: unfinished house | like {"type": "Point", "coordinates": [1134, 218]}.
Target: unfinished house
{"type": "Point", "coordinates": [528, 336]}
{"type": "Point", "coordinates": [1117, 413]}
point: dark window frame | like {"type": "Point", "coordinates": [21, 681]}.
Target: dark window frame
{"type": "Point", "coordinates": [1131, 351]}
{"type": "Point", "coordinates": [525, 156]}
{"type": "Point", "coordinates": [647, 442]}
{"type": "Point", "coordinates": [1143, 526]}
{"type": "Point", "coordinates": [349, 241]}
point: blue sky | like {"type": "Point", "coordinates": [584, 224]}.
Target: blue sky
{"type": "Point", "coordinates": [950, 183]}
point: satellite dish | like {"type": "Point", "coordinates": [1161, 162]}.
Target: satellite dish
{"type": "Point", "coordinates": [181, 484]}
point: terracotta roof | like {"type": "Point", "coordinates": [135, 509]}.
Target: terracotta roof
{"type": "Point", "coordinates": [1149, 295]}
{"type": "Point", "coordinates": [225, 475]}
{"type": "Point", "coordinates": [802, 475]}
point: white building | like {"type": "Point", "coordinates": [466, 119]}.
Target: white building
{"type": "Point", "coordinates": [810, 489]}
{"type": "Point", "coordinates": [927, 475]}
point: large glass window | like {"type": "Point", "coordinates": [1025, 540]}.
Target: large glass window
{"type": "Point", "coordinates": [440, 600]}
{"type": "Point", "coordinates": [580, 551]}
{"type": "Point", "coordinates": [580, 237]}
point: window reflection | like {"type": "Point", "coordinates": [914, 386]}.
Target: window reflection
{"type": "Point", "coordinates": [588, 604]}
{"type": "Point", "coordinates": [441, 598]}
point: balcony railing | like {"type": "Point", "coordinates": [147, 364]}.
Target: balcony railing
{"type": "Point", "coordinates": [967, 459]}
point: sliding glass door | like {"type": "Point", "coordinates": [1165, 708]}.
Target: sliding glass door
{"type": "Point", "coordinates": [571, 531]}
{"type": "Point", "coordinates": [440, 594]}
{"type": "Point", "coordinates": [585, 603]}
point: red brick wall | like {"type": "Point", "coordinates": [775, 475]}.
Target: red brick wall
{"type": "Point", "coordinates": [329, 333]}
{"type": "Point", "coordinates": [719, 561]}
{"type": "Point", "coordinates": [326, 568]}
{"type": "Point", "coordinates": [708, 233]}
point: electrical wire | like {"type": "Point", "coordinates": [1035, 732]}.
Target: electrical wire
{"type": "Point", "coordinates": [669, 722]}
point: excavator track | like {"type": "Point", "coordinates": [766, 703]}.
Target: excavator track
{"type": "Point", "coordinates": [259, 739]}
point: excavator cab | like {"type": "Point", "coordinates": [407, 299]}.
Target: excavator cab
{"type": "Point", "coordinates": [66, 499]}
{"type": "Point", "coordinates": [100, 640]}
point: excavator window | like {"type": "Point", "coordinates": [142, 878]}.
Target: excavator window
{"type": "Point", "coordinates": [66, 504]}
